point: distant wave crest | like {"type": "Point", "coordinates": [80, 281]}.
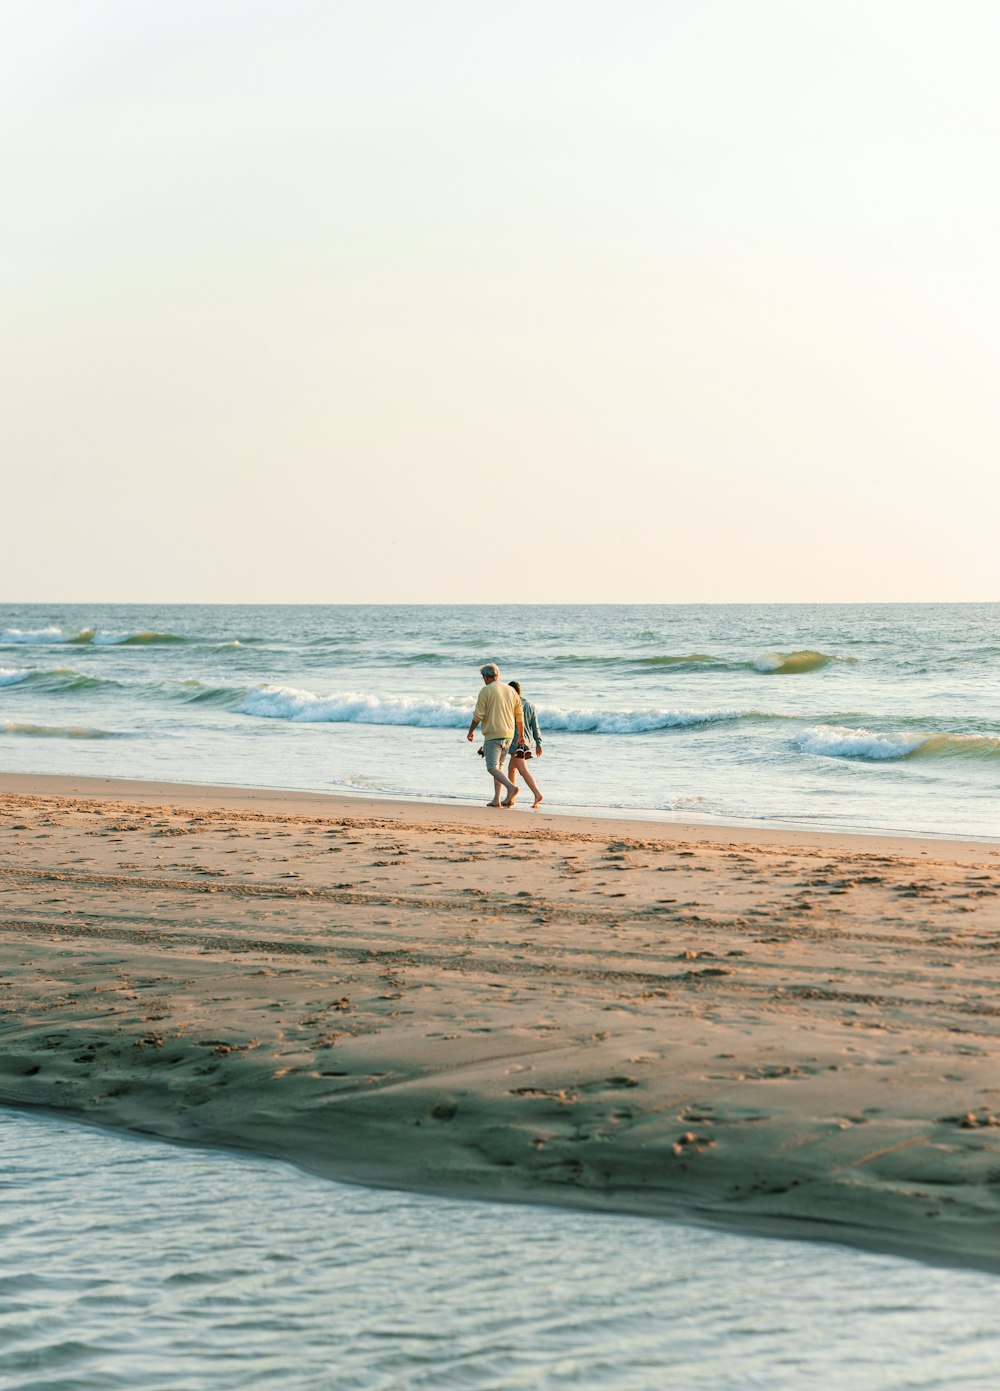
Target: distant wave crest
{"type": "Point", "coordinates": [52, 731]}
{"type": "Point", "coordinates": [691, 661]}
{"type": "Point", "coordinates": [767, 663]}
{"type": "Point", "coordinates": [60, 680]}
{"type": "Point", "coordinates": [11, 637]}
{"type": "Point", "coordinates": [794, 663]}
{"type": "Point", "coordinates": [53, 680]}
{"type": "Point", "coordinates": [83, 637]}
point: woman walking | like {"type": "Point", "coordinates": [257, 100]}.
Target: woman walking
{"type": "Point", "coordinates": [520, 753]}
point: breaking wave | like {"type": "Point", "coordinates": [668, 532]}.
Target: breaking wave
{"type": "Point", "coordinates": [960, 746]}
{"type": "Point", "coordinates": [794, 663]}
{"type": "Point", "coordinates": [54, 680]}
{"type": "Point", "coordinates": [13, 637]}
{"type": "Point", "coordinates": [693, 661]}
{"type": "Point", "coordinates": [288, 703]}
{"type": "Point", "coordinates": [765, 663]}
{"type": "Point", "coordinates": [831, 741]}
{"type": "Point", "coordinates": [596, 721]}
{"type": "Point", "coordinates": [144, 639]}
{"type": "Point", "coordinates": [197, 693]}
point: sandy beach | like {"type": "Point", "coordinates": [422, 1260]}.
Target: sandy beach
{"type": "Point", "coordinates": [785, 1032]}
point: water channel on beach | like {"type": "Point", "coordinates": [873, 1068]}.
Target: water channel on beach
{"type": "Point", "coordinates": [128, 1263]}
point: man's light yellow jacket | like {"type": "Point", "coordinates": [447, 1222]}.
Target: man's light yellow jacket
{"type": "Point", "coordinates": [499, 709]}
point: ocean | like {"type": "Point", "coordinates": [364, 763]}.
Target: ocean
{"type": "Point", "coordinates": [880, 717]}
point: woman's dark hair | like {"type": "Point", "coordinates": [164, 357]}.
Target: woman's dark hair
{"type": "Point", "coordinates": [516, 685]}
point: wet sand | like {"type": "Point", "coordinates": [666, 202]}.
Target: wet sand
{"type": "Point", "coordinates": [787, 1032]}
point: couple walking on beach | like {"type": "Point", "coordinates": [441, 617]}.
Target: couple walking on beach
{"type": "Point", "coordinates": [505, 716]}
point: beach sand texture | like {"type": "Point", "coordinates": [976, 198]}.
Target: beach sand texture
{"type": "Point", "coordinates": [789, 1033]}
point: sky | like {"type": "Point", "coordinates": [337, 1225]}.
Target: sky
{"type": "Point", "coordinates": [445, 301]}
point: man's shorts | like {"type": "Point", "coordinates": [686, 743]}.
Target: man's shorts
{"type": "Point", "coordinates": [495, 751]}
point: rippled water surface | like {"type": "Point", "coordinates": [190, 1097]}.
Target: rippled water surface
{"type": "Point", "coordinates": [131, 1264]}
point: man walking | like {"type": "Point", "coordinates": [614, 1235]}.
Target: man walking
{"type": "Point", "coordinates": [498, 710]}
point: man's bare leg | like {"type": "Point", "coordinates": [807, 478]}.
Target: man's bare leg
{"type": "Point", "coordinates": [512, 787]}
{"type": "Point", "coordinates": [501, 780]}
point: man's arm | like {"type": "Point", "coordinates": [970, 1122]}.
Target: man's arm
{"type": "Point", "coordinates": [478, 714]}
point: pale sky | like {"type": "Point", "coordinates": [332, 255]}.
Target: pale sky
{"type": "Point", "coordinates": [445, 300]}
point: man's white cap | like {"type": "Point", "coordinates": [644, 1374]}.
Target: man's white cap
{"type": "Point", "coordinates": [490, 669]}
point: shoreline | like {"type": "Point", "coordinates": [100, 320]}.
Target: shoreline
{"type": "Point", "coordinates": [785, 1032]}
{"type": "Point", "coordinates": [301, 801]}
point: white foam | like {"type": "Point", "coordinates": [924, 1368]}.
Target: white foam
{"type": "Point", "coordinates": [9, 676]}
{"type": "Point", "coordinates": [14, 636]}
{"type": "Point", "coordinates": [597, 721]}
{"type": "Point", "coordinates": [141, 637]}
{"type": "Point", "coordinates": [290, 703]}
{"type": "Point", "coordinates": [104, 637]}
{"type": "Point", "coordinates": [831, 741]}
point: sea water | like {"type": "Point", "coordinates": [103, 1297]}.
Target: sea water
{"type": "Point", "coordinates": [130, 1264]}
{"type": "Point", "coordinates": [860, 717]}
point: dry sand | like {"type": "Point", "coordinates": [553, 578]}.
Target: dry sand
{"type": "Point", "coordinates": [792, 1033]}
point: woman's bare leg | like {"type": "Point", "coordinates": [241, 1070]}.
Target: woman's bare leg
{"type": "Point", "coordinates": [514, 766]}
{"type": "Point", "coordinates": [520, 765]}
{"type": "Point", "coordinates": [530, 781]}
